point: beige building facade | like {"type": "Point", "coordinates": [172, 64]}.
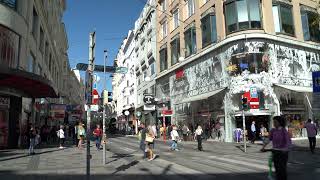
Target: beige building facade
{"type": "Point", "coordinates": [212, 53]}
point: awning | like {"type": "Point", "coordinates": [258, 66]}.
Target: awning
{"type": "Point", "coordinates": [201, 96]}
{"type": "Point", "coordinates": [253, 113]}
{"type": "Point", "coordinates": [299, 89]}
{"type": "Point", "coordinates": [30, 84]}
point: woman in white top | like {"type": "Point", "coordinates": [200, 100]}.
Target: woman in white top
{"type": "Point", "coordinates": [61, 136]}
{"type": "Point", "coordinates": [198, 136]}
{"type": "Point", "coordinates": [174, 137]}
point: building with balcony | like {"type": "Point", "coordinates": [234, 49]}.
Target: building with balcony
{"type": "Point", "coordinates": [124, 85]}
{"type": "Point", "coordinates": [211, 54]}
{"type": "Point", "coordinates": [145, 65]}
{"type": "Point", "coordinates": [34, 65]}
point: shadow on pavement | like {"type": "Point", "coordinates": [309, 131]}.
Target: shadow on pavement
{"type": "Point", "coordinates": [136, 176]}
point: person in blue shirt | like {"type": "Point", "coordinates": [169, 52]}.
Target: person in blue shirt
{"type": "Point", "coordinates": [253, 131]}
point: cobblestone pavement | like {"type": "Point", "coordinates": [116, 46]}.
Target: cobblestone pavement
{"type": "Point", "coordinates": [124, 160]}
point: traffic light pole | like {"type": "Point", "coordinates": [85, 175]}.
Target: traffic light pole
{"type": "Point", "coordinates": [104, 111]}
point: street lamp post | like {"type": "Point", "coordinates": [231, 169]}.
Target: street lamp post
{"type": "Point", "coordinates": [104, 111]}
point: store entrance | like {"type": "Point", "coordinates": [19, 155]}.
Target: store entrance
{"type": "Point", "coordinates": [259, 120]}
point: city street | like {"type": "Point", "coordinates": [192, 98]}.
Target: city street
{"type": "Point", "coordinates": [124, 160]}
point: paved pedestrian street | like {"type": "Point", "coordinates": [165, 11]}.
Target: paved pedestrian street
{"type": "Point", "coordinates": [124, 161]}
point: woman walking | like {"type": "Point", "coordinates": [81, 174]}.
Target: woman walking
{"type": "Point", "coordinates": [32, 135]}
{"type": "Point", "coordinates": [175, 138]}
{"type": "Point", "coordinates": [281, 143]}
{"type": "Point", "coordinates": [198, 136]}
{"type": "Point", "coordinates": [81, 134]}
{"type": "Point", "coordinates": [150, 142]}
{"type": "Point", "coordinates": [61, 137]}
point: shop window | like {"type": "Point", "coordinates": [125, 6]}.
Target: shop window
{"type": "Point", "coordinates": [175, 51]}
{"type": "Point", "coordinates": [254, 63]}
{"type": "Point", "coordinates": [209, 30]}
{"type": "Point", "coordinates": [10, 3]}
{"type": "Point", "coordinates": [163, 59]}
{"type": "Point", "coordinates": [190, 41]}
{"type": "Point", "coordinates": [310, 26]}
{"type": "Point", "coordinates": [283, 19]}
{"type": "Point", "coordinates": [242, 14]}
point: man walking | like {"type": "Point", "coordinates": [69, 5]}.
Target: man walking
{"type": "Point", "coordinates": [142, 136]}
{"type": "Point", "coordinates": [253, 131]}
{"type": "Point", "coordinates": [98, 134]}
{"type": "Point", "coordinates": [312, 132]}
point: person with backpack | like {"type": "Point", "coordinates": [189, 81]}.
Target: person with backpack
{"type": "Point", "coordinates": [281, 143]}
{"type": "Point", "coordinates": [198, 136]}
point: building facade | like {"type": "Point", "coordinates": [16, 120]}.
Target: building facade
{"type": "Point", "coordinates": [34, 65]}
{"type": "Point", "coordinates": [145, 65]}
{"type": "Point", "coordinates": [211, 54]}
{"type": "Point", "coordinates": [124, 87]}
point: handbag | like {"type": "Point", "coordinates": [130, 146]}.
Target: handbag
{"type": "Point", "coordinates": [149, 139]}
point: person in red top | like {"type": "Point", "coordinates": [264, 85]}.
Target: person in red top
{"type": "Point", "coordinates": [98, 134]}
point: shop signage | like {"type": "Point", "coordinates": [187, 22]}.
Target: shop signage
{"type": "Point", "coordinates": [4, 101]}
{"type": "Point", "coordinates": [148, 99]}
{"type": "Point", "coordinates": [149, 107]}
{"type": "Point", "coordinates": [179, 74]}
{"type": "Point", "coordinates": [167, 112]}
{"type": "Point", "coordinates": [316, 81]}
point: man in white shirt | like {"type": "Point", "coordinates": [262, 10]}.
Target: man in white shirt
{"type": "Point", "coordinates": [174, 137]}
{"type": "Point", "coordinates": [253, 131]}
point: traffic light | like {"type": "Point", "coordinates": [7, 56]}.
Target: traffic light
{"type": "Point", "coordinates": [106, 98]}
{"type": "Point", "coordinates": [244, 103]}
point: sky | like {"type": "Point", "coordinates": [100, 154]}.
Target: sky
{"type": "Point", "coordinates": [111, 19]}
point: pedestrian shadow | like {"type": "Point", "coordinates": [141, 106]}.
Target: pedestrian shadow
{"type": "Point", "coordinates": [118, 156]}
{"type": "Point", "coordinates": [241, 147]}
{"type": "Point", "coordinates": [125, 166]}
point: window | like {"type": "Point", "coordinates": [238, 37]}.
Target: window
{"type": "Point", "coordinates": [139, 99]}
{"type": "Point", "coordinates": [283, 21]}
{"type": "Point", "coordinates": [163, 59]}
{"type": "Point", "coordinates": [152, 90]}
{"type": "Point", "coordinates": [176, 19]}
{"type": "Point", "coordinates": [164, 29]}
{"type": "Point", "coordinates": [41, 44]}
{"type": "Point", "coordinates": [145, 91]}
{"type": "Point", "coordinates": [9, 48]}
{"type": "Point", "coordinates": [254, 63]}
{"type": "Point", "coordinates": [34, 23]}
{"type": "Point", "coordinates": [242, 14]}
{"type": "Point", "coordinates": [152, 70]}
{"type": "Point", "coordinates": [39, 71]}
{"type": "Point", "coordinates": [10, 3]}
{"type": "Point", "coordinates": [209, 30]}
{"type": "Point", "coordinates": [310, 26]}
{"type": "Point", "coordinates": [163, 5]}
{"type": "Point", "coordinates": [31, 63]}
{"type": "Point", "coordinates": [145, 74]}
{"type": "Point", "coordinates": [190, 41]}
{"type": "Point", "coordinates": [190, 5]}
{"type": "Point", "coordinates": [175, 51]}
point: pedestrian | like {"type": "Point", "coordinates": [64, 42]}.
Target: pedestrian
{"type": "Point", "coordinates": [142, 138]}
{"type": "Point", "coordinates": [175, 138]}
{"type": "Point", "coordinates": [263, 133]}
{"type": "Point", "coordinates": [198, 136]}
{"type": "Point", "coordinates": [150, 143]}
{"type": "Point", "coordinates": [253, 131]}
{"type": "Point", "coordinates": [312, 133]}
{"type": "Point", "coordinates": [61, 136]}
{"type": "Point", "coordinates": [98, 134]}
{"type": "Point", "coordinates": [81, 135]}
{"type": "Point", "coordinates": [281, 143]}
{"type": "Point", "coordinates": [185, 132]}
{"type": "Point", "coordinates": [75, 137]}
{"type": "Point", "coordinates": [32, 136]}
{"type": "Point", "coordinates": [154, 129]}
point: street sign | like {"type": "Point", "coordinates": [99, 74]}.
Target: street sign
{"type": "Point", "coordinates": [316, 81]}
{"type": "Point", "coordinates": [122, 70]}
{"type": "Point", "coordinates": [95, 96]}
